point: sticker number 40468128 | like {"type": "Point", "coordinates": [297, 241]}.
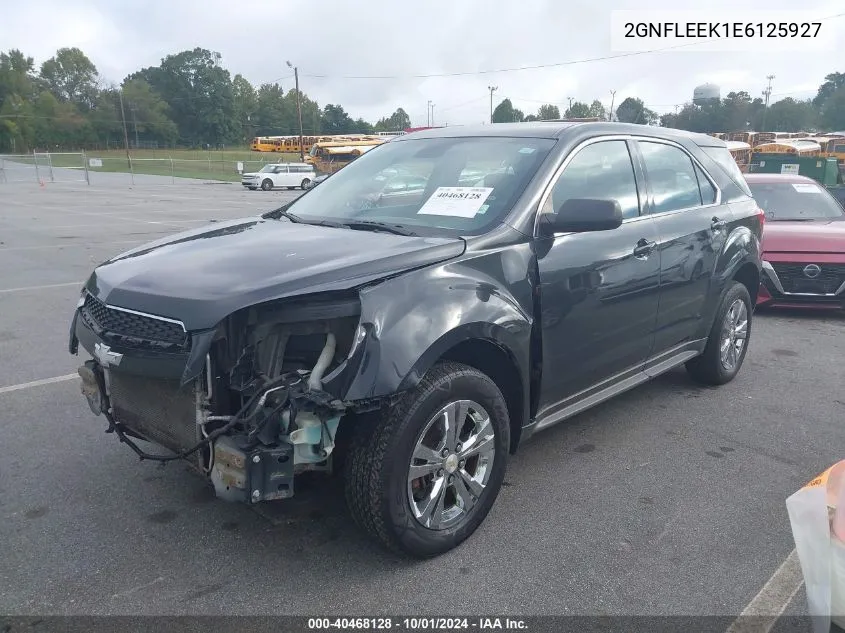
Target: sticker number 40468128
{"type": "Point", "coordinates": [458, 202]}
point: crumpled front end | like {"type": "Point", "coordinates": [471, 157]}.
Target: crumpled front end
{"type": "Point", "coordinates": [244, 403]}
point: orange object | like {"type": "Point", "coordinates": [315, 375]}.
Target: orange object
{"type": "Point", "coordinates": [833, 479]}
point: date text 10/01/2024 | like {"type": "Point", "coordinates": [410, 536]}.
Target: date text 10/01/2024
{"type": "Point", "coordinates": [416, 624]}
{"type": "Point", "coordinates": [705, 30]}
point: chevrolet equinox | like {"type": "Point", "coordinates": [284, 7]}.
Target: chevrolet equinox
{"type": "Point", "coordinates": [429, 307]}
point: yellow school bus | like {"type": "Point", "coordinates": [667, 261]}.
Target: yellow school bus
{"type": "Point", "coordinates": [328, 158]}
{"type": "Point", "coordinates": [741, 153]}
{"type": "Point", "coordinates": [833, 147]}
{"type": "Point", "coordinates": [790, 146]}
{"type": "Point", "coordinates": [742, 137]}
{"type": "Point", "coordinates": [290, 143]}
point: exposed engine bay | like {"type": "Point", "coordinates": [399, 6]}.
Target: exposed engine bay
{"type": "Point", "coordinates": [257, 415]}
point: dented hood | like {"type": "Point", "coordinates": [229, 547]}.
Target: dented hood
{"type": "Point", "coordinates": [203, 275]}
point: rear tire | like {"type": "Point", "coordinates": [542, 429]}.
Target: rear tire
{"type": "Point", "coordinates": [392, 505]}
{"type": "Point", "coordinates": [728, 342]}
{"type": "Point", "coordinates": [304, 184]}
{"type": "Point", "coordinates": [267, 185]}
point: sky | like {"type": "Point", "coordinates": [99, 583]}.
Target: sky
{"type": "Point", "coordinates": [339, 46]}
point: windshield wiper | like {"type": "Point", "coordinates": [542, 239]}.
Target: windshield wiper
{"type": "Point", "coordinates": [282, 212]}
{"type": "Point", "coordinates": [372, 225]}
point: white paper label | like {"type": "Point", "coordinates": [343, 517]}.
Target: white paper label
{"type": "Point", "coordinates": [789, 168]}
{"type": "Point", "coordinates": [805, 188]}
{"type": "Point", "coordinates": [456, 202]}
{"type": "Point", "coordinates": [95, 162]}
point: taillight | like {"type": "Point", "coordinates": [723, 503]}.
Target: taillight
{"type": "Point", "coordinates": [762, 215]}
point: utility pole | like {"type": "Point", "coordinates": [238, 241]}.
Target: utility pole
{"type": "Point", "coordinates": [612, 100]}
{"type": "Point", "coordinates": [767, 93]}
{"type": "Point", "coordinates": [432, 114]}
{"type": "Point", "coordinates": [492, 89]}
{"type": "Point", "coordinates": [569, 109]}
{"type": "Point", "coordinates": [428, 113]}
{"type": "Point", "coordinates": [125, 134]}
{"type": "Point", "coordinates": [134, 123]}
{"type": "Point", "coordinates": [298, 110]}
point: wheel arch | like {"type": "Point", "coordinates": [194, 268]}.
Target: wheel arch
{"type": "Point", "coordinates": [498, 364]}
{"type": "Point", "coordinates": [749, 276]}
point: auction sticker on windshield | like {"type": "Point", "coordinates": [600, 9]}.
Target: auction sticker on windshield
{"type": "Point", "coordinates": [456, 202]}
{"type": "Point", "coordinates": [805, 188]}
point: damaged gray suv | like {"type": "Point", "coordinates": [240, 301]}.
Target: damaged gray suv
{"type": "Point", "coordinates": [413, 319]}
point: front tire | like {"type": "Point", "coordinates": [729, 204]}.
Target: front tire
{"type": "Point", "coordinates": [727, 344]}
{"type": "Point", "coordinates": [267, 185]}
{"type": "Point", "coordinates": [424, 476]}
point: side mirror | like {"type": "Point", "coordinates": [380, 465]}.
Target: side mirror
{"type": "Point", "coordinates": [582, 215]}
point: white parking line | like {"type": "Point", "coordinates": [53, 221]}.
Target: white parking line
{"type": "Point", "coordinates": [768, 605]}
{"type": "Point", "coordinates": [101, 225]}
{"type": "Point", "coordinates": [61, 246]}
{"type": "Point", "coordinates": [38, 383]}
{"type": "Point", "coordinates": [70, 283]}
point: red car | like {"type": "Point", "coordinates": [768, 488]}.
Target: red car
{"type": "Point", "coordinates": [803, 242]}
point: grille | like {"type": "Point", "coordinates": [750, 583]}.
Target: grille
{"type": "Point", "coordinates": [159, 410]}
{"type": "Point", "coordinates": [793, 279]}
{"type": "Point", "coordinates": [132, 329]}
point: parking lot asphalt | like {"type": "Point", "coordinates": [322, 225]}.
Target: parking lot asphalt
{"type": "Point", "coordinates": [668, 500]}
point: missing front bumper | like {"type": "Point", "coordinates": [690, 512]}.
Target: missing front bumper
{"type": "Point", "coordinates": [240, 470]}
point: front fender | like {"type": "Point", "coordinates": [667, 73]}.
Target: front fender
{"type": "Point", "coordinates": [409, 322]}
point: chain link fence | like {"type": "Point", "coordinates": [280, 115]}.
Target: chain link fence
{"type": "Point", "coordinates": [44, 167]}
{"type": "Point", "coordinates": [86, 167]}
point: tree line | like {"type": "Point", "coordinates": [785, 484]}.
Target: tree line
{"type": "Point", "coordinates": [191, 100]}
{"type": "Point", "coordinates": [737, 111]}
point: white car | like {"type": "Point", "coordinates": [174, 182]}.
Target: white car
{"type": "Point", "coordinates": [290, 175]}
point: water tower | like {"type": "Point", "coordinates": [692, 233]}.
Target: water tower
{"type": "Point", "coordinates": [706, 93]}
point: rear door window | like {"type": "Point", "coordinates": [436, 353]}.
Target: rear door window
{"type": "Point", "coordinates": [672, 177]}
{"type": "Point", "coordinates": [708, 191]}
{"type": "Point", "coordinates": [723, 157]}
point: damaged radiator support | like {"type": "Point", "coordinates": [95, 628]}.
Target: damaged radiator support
{"type": "Point", "coordinates": [251, 471]}
{"type": "Point", "coordinates": [251, 475]}
{"type": "Point", "coordinates": [287, 426]}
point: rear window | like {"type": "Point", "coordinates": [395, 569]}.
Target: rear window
{"type": "Point", "coordinates": [722, 156]}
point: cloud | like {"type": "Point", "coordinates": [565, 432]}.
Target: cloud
{"type": "Point", "coordinates": [335, 40]}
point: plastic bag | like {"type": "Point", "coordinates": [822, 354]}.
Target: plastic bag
{"type": "Point", "coordinates": [814, 511]}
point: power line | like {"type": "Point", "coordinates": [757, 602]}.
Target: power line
{"type": "Point", "coordinates": [505, 70]}
{"type": "Point", "coordinates": [532, 67]}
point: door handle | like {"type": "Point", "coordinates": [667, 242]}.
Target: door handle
{"type": "Point", "coordinates": [644, 248]}
{"type": "Point", "coordinates": [717, 225]}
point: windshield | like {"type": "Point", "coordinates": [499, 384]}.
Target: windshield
{"type": "Point", "coordinates": [429, 186]}
{"type": "Point", "coordinates": [267, 169]}
{"type": "Point", "coordinates": [796, 201]}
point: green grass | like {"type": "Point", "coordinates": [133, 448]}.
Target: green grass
{"type": "Point", "coordinates": [178, 163]}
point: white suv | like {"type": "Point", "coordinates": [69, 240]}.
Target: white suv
{"type": "Point", "coordinates": [290, 175]}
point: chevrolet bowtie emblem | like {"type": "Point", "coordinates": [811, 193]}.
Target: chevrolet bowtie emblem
{"type": "Point", "coordinates": [105, 356]}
